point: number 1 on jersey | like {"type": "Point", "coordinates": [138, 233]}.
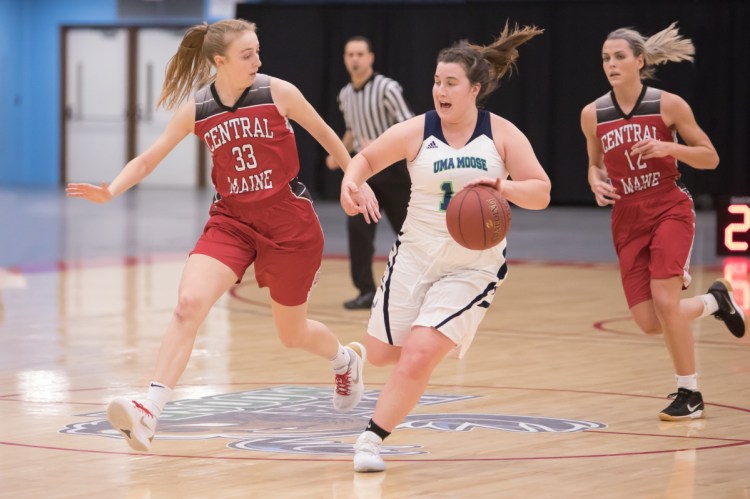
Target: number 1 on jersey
{"type": "Point", "coordinates": [447, 188]}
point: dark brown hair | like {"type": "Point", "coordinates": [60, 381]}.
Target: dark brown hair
{"type": "Point", "coordinates": [487, 65]}
{"type": "Point", "coordinates": [360, 38]}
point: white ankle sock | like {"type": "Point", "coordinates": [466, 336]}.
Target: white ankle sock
{"type": "Point", "coordinates": [341, 361]}
{"type": "Point", "coordinates": [158, 396]}
{"type": "Point", "coordinates": [690, 381]}
{"type": "Point", "coordinates": [710, 305]}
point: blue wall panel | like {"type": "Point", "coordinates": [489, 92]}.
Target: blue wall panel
{"type": "Point", "coordinates": [33, 120]}
{"type": "Point", "coordinates": [10, 89]}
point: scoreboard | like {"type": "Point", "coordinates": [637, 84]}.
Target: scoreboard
{"type": "Point", "coordinates": [733, 226]}
{"type": "Point", "coordinates": [733, 242]}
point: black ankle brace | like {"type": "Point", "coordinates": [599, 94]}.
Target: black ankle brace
{"type": "Point", "coordinates": [377, 430]}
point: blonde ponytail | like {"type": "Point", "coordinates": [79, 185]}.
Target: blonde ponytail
{"type": "Point", "coordinates": [665, 46]}
{"type": "Point", "coordinates": [191, 64]}
{"type": "Point", "coordinates": [186, 68]}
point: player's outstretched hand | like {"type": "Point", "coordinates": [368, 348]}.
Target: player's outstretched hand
{"type": "Point", "coordinates": [362, 200]}
{"type": "Point", "coordinates": [90, 192]}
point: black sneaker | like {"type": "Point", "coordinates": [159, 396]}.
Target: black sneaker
{"type": "Point", "coordinates": [729, 312]}
{"type": "Point", "coordinates": [687, 404]}
{"type": "Point", "coordinates": [361, 302]}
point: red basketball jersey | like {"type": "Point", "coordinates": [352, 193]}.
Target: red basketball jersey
{"type": "Point", "coordinates": [253, 149]}
{"type": "Point", "coordinates": [632, 176]}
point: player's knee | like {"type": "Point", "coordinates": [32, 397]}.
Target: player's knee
{"type": "Point", "coordinates": [292, 338]}
{"type": "Point", "coordinates": [650, 325]}
{"type": "Point", "coordinates": [651, 329]}
{"type": "Point", "coordinates": [290, 342]}
{"type": "Point", "coordinates": [189, 307]}
{"type": "Point", "coordinates": [666, 307]}
{"type": "Point", "coordinates": [415, 364]}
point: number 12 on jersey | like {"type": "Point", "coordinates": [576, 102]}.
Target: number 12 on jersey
{"type": "Point", "coordinates": [639, 161]}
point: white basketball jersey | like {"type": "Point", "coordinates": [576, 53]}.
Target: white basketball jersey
{"type": "Point", "coordinates": [439, 171]}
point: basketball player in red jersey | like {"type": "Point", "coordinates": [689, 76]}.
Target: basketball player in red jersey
{"type": "Point", "coordinates": [261, 213]}
{"type": "Point", "coordinates": [631, 137]}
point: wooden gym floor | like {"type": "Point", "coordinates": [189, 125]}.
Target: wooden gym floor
{"type": "Point", "coordinates": [558, 396]}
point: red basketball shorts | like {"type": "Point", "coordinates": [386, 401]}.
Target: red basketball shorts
{"type": "Point", "coordinates": [653, 237]}
{"type": "Point", "coordinates": [284, 240]}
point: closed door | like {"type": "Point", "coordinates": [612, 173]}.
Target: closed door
{"type": "Point", "coordinates": [155, 46]}
{"type": "Point", "coordinates": [96, 104]}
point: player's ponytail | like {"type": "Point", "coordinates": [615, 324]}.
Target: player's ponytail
{"type": "Point", "coordinates": [668, 45]}
{"type": "Point", "coordinates": [191, 64]}
{"type": "Point", "coordinates": [487, 65]}
{"type": "Point", "coordinates": [665, 46]}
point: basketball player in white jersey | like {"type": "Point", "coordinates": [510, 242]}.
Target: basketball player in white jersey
{"type": "Point", "coordinates": [434, 293]}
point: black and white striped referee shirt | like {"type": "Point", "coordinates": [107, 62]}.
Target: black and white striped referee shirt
{"type": "Point", "coordinates": [372, 109]}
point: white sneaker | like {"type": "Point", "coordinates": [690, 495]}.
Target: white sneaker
{"type": "Point", "coordinates": [367, 453]}
{"type": "Point", "coordinates": [350, 386]}
{"type": "Point", "coordinates": [134, 421]}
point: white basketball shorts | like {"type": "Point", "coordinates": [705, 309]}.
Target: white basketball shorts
{"type": "Point", "coordinates": [435, 282]}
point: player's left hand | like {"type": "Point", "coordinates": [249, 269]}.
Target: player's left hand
{"type": "Point", "coordinates": [650, 148]}
{"type": "Point", "coordinates": [495, 183]}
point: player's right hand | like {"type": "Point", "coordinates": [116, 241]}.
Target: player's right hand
{"type": "Point", "coordinates": [494, 183]}
{"type": "Point", "coordinates": [90, 192]}
{"type": "Point", "coordinates": [604, 193]}
{"type": "Point", "coordinates": [355, 200]}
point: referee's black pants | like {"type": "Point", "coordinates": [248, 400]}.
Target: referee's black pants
{"type": "Point", "coordinates": [392, 187]}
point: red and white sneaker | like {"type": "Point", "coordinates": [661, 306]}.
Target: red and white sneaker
{"type": "Point", "coordinates": [134, 421]}
{"type": "Point", "coordinates": [350, 386]}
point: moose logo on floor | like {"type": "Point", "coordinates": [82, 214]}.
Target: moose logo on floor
{"type": "Point", "coordinates": [301, 420]}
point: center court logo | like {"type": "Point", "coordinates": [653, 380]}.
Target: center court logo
{"type": "Point", "coordinates": [301, 420]}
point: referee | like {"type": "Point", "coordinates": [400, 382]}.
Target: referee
{"type": "Point", "coordinates": [371, 103]}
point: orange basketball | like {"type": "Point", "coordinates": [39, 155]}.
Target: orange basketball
{"type": "Point", "coordinates": [478, 217]}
